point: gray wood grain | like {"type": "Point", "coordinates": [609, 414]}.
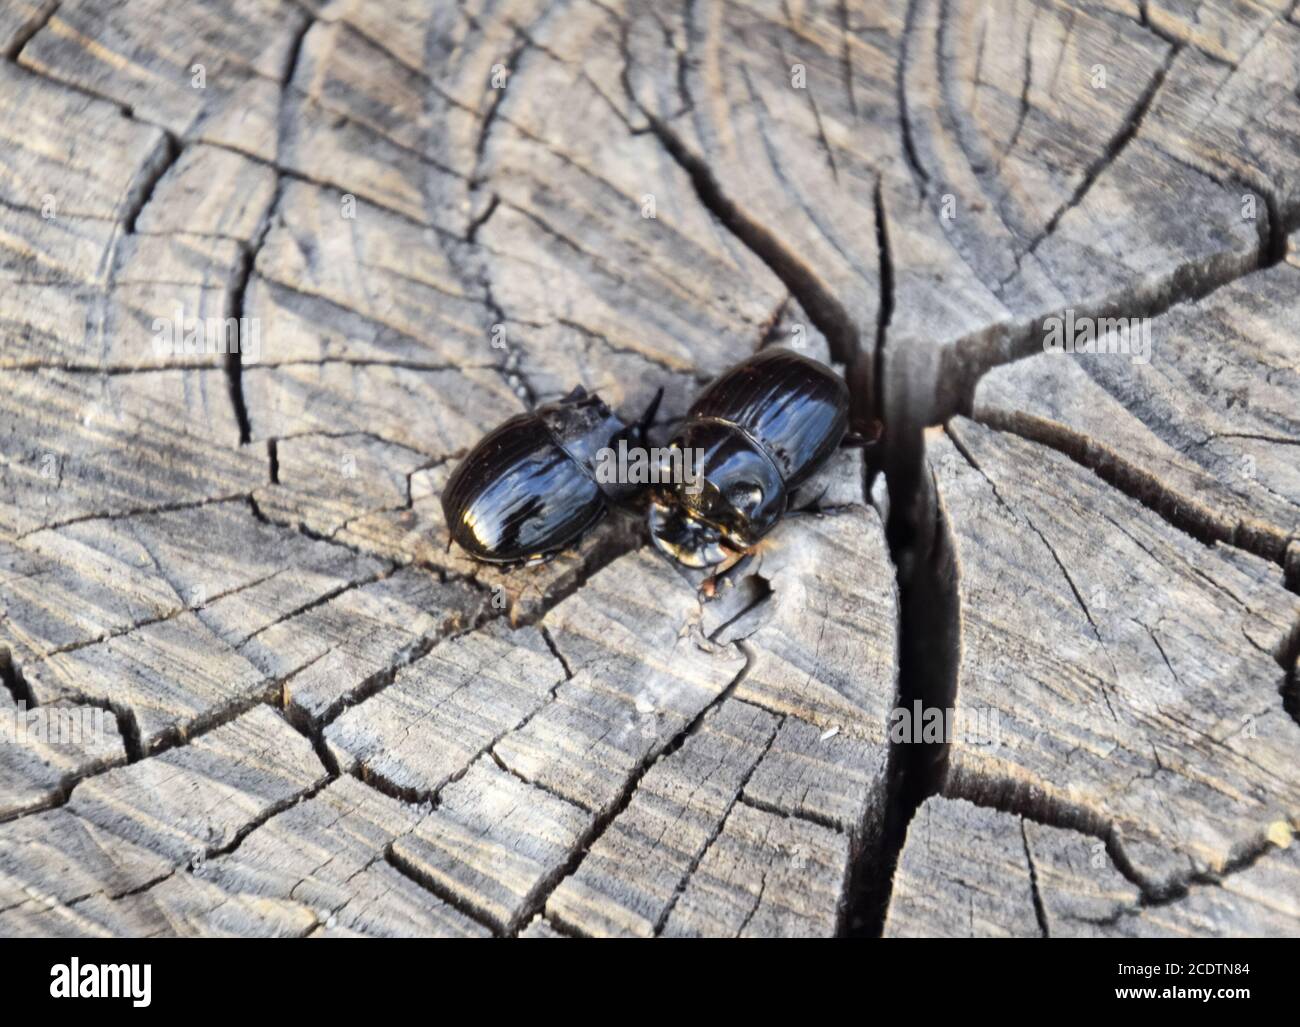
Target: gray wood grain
{"type": "Point", "coordinates": [420, 218]}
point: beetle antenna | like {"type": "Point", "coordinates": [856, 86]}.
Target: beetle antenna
{"type": "Point", "coordinates": [648, 416]}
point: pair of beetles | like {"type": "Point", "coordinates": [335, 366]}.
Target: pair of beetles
{"type": "Point", "coordinates": [529, 489]}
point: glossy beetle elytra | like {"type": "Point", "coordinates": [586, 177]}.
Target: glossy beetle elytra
{"type": "Point", "coordinates": [762, 429]}
{"type": "Point", "coordinates": [529, 488]}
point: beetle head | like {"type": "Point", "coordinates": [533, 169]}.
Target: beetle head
{"type": "Point", "coordinates": [734, 499]}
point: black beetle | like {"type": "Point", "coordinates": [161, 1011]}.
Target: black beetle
{"type": "Point", "coordinates": [760, 431]}
{"type": "Point", "coordinates": [529, 488]}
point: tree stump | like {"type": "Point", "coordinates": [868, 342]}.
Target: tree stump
{"type": "Point", "coordinates": [271, 268]}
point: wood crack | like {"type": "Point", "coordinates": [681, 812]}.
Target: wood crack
{"type": "Point", "coordinates": [1113, 149]}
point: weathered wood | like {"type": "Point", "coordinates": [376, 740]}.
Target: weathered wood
{"type": "Point", "coordinates": [177, 602]}
{"type": "Point", "coordinates": [824, 648]}
{"type": "Point", "coordinates": [325, 482]}
{"type": "Point", "coordinates": [1229, 32]}
{"type": "Point", "coordinates": [640, 674]}
{"type": "Point", "coordinates": [540, 928]}
{"type": "Point", "coordinates": [968, 871]}
{"type": "Point", "coordinates": [145, 55]}
{"type": "Point", "coordinates": [179, 906]}
{"type": "Point", "coordinates": [43, 752]}
{"type": "Point", "coordinates": [493, 843]}
{"type": "Point", "coordinates": [963, 872]}
{"type": "Point", "coordinates": [821, 775]}
{"type": "Point", "coordinates": [56, 859]}
{"type": "Point", "coordinates": [445, 711]}
{"type": "Point", "coordinates": [171, 433]}
{"type": "Point", "coordinates": [330, 654]}
{"type": "Point", "coordinates": [1103, 639]}
{"type": "Point", "coordinates": [210, 191]}
{"type": "Point", "coordinates": [20, 19]}
{"type": "Point", "coordinates": [351, 274]}
{"type": "Point", "coordinates": [665, 296]}
{"type": "Point", "coordinates": [328, 853]}
{"type": "Point", "coordinates": [130, 826]}
{"type": "Point", "coordinates": [50, 134]}
{"type": "Point", "coordinates": [630, 880]}
{"type": "Point", "coordinates": [1257, 901]}
{"type": "Point", "coordinates": [1236, 122]}
{"type": "Point", "coordinates": [832, 771]}
{"type": "Point", "coordinates": [1007, 182]}
{"type": "Point", "coordinates": [764, 875]}
{"type": "Point", "coordinates": [419, 218]}
{"type": "Point", "coordinates": [1204, 429]}
{"type": "Point", "coordinates": [168, 678]}
{"type": "Point", "coordinates": [196, 799]}
{"type": "Point", "coordinates": [300, 399]}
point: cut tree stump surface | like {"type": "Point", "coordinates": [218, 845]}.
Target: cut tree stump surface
{"type": "Point", "coordinates": [307, 716]}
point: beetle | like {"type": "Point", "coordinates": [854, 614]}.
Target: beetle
{"type": "Point", "coordinates": [760, 430]}
{"type": "Point", "coordinates": [529, 489]}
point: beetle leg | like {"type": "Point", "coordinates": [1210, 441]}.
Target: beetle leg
{"type": "Point", "coordinates": [852, 440]}
{"type": "Point", "coordinates": [539, 560]}
{"type": "Point", "coordinates": [734, 557]}
{"type": "Point", "coordinates": [814, 505]}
